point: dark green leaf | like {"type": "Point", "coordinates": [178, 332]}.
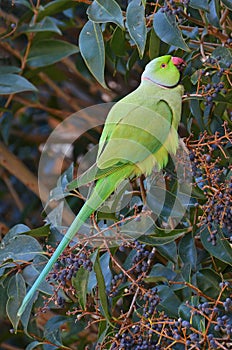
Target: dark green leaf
{"type": "Point", "coordinates": [154, 45]}
{"type": "Point", "coordinates": [160, 273]}
{"type": "Point", "coordinates": [224, 53]}
{"type": "Point", "coordinates": [136, 25]}
{"type": "Point", "coordinates": [187, 250]}
{"type": "Point", "coordinates": [168, 31]}
{"type": "Point", "coordinates": [197, 112]}
{"type": "Point", "coordinates": [13, 232]}
{"type": "Point", "coordinates": [208, 282]}
{"type": "Point", "coordinates": [34, 345]}
{"type": "Point", "coordinates": [162, 236]}
{"type": "Point", "coordinates": [169, 251]}
{"type": "Point", "coordinates": [5, 125]}
{"type": "Point", "coordinates": [46, 25]}
{"type": "Point", "coordinates": [9, 69]}
{"type": "Point", "coordinates": [49, 51]}
{"type": "Point", "coordinates": [16, 291]}
{"type": "Point", "coordinates": [80, 283]}
{"type": "Point", "coordinates": [222, 250]}
{"type": "Point", "coordinates": [169, 301]}
{"type": "Point", "coordinates": [199, 4]}
{"type": "Point", "coordinates": [101, 288]}
{"type": "Point", "coordinates": [53, 7]}
{"type": "Point", "coordinates": [117, 42]}
{"type": "Point", "coordinates": [103, 11]}
{"type": "Point", "coordinates": [228, 3]}
{"type": "Point", "coordinates": [93, 50]}
{"type": "Point", "coordinates": [13, 83]}
{"type": "Point", "coordinates": [32, 271]}
{"type": "Point", "coordinates": [213, 16]}
{"type": "Point", "coordinates": [52, 331]}
{"type": "Point", "coordinates": [20, 248]}
{"type": "Point", "coordinates": [25, 3]}
{"type": "Point", "coordinates": [164, 203]}
{"type": "Point", "coordinates": [42, 231]}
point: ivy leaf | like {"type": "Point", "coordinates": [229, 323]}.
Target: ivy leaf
{"type": "Point", "coordinates": [168, 31]}
{"type": "Point", "coordinates": [135, 20]}
{"type": "Point", "coordinates": [91, 37]}
{"type": "Point", "coordinates": [103, 11]}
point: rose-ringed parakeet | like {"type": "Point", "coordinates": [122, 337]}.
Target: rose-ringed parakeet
{"type": "Point", "coordinates": [139, 133]}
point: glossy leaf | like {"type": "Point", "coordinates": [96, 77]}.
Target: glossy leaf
{"type": "Point", "coordinates": [168, 31]}
{"type": "Point", "coordinates": [53, 7]}
{"type": "Point", "coordinates": [9, 69]}
{"type": "Point", "coordinates": [13, 83]}
{"type": "Point", "coordinates": [20, 248]}
{"type": "Point", "coordinates": [224, 53]}
{"type": "Point", "coordinates": [117, 42]}
{"type": "Point", "coordinates": [154, 45]}
{"type": "Point", "coordinates": [52, 331]}
{"type": "Point", "coordinates": [80, 283]}
{"type": "Point", "coordinates": [213, 15]}
{"type": "Point", "coordinates": [169, 301]}
{"type": "Point", "coordinates": [187, 250]}
{"type": "Point", "coordinates": [49, 51]}
{"type": "Point", "coordinates": [208, 282]}
{"type": "Point", "coordinates": [101, 288]}
{"type": "Point", "coordinates": [199, 4]}
{"type": "Point", "coordinates": [91, 36]}
{"type": "Point", "coordinates": [136, 25]}
{"type": "Point", "coordinates": [222, 250]}
{"type": "Point", "coordinates": [24, 3]}
{"type": "Point", "coordinates": [46, 25]}
{"type": "Point", "coordinates": [34, 345]}
{"type": "Point", "coordinates": [103, 11]}
{"type": "Point", "coordinates": [5, 125]}
{"type": "Point", "coordinates": [228, 3]}
{"type": "Point", "coordinates": [160, 273]}
{"type": "Point", "coordinates": [168, 251]}
{"type": "Point", "coordinates": [165, 203]}
{"type": "Point", "coordinates": [16, 291]}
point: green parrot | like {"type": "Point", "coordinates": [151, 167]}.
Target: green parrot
{"type": "Point", "coordinates": [139, 133]}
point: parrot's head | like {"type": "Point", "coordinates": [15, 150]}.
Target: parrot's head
{"type": "Point", "coordinates": [164, 70]}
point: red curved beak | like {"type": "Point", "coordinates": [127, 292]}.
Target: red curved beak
{"type": "Point", "coordinates": [178, 62]}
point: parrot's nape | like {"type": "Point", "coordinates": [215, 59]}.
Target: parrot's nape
{"type": "Point", "coordinates": [139, 133]}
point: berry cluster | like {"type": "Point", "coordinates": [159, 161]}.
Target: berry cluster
{"type": "Point", "coordinates": [211, 177]}
{"type": "Point", "coordinates": [172, 8]}
{"type": "Point", "coordinates": [116, 282]}
{"type": "Point", "coordinates": [213, 70]}
{"type": "Point", "coordinates": [133, 340]}
{"type": "Point", "coordinates": [142, 258]}
{"type": "Point", "coordinates": [151, 299]}
{"type": "Point", "coordinates": [68, 265]}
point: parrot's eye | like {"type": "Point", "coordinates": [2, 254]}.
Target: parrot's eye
{"type": "Point", "coordinates": [163, 65]}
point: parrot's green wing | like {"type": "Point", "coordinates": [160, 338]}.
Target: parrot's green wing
{"type": "Point", "coordinates": [136, 128]}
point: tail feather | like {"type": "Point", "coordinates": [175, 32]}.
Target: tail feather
{"type": "Point", "coordinates": [103, 189]}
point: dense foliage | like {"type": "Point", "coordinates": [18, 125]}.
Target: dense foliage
{"type": "Point", "coordinates": [165, 281]}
